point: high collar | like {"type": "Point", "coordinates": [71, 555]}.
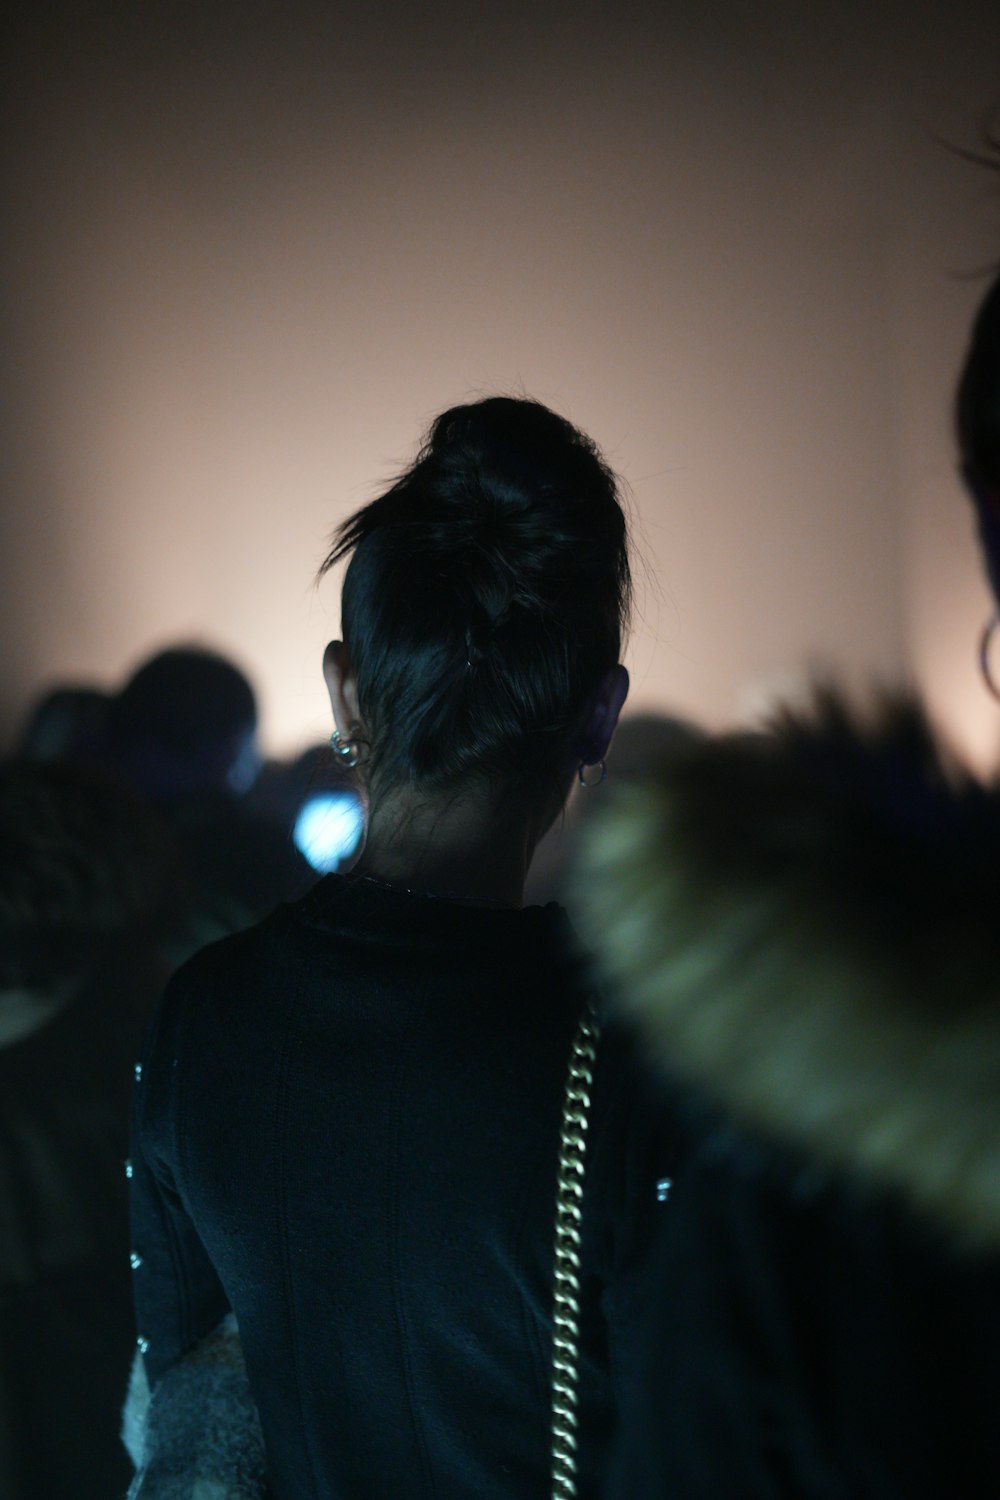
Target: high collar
{"type": "Point", "coordinates": [361, 907]}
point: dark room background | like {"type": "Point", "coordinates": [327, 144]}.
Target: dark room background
{"type": "Point", "coordinates": [250, 250]}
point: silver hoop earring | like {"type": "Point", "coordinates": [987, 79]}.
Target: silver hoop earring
{"type": "Point", "coordinates": [985, 642]}
{"type": "Point", "coordinates": [345, 750]}
{"type": "Point", "coordinates": [593, 781]}
{"type": "Point", "coordinates": [348, 747]}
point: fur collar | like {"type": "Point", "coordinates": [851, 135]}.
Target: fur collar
{"type": "Point", "coordinates": [807, 924]}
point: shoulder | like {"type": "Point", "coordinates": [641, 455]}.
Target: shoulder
{"type": "Point", "coordinates": [225, 962]}
{"type": "Point", "coordinates": [216, 986]}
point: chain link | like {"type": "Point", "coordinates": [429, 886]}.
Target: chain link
{"type": "Point", "coordinates": [569, 1214]}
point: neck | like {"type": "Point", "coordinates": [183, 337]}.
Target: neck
{"type": "Point", "coordinates": [467, 846]}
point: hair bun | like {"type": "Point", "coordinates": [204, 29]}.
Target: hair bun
{"type": "Point", "coordinates": [506, 455]}
{"type": "Point", "coordinates": [486, 592]}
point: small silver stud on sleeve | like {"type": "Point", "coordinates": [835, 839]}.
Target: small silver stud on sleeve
{"type": "Point", "coordinates": [129, 1169]}
{"type": "Point", "coordinates": [138, 1072]}
{"type": "Point", "coordinates": [663, 1187]}
{"type": "Point", "coordinates": [135, 1261]}
{"type": "Point", "coordinates": [142, 1344]}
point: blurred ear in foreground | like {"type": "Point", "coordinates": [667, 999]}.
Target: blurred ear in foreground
{"type": "Point", "coordinates": [804, 924]}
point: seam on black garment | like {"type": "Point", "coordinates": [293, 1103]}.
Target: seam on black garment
{"type": "Point", "coordinates": [165, 1196]}
{"type": "Point", "coordinates": [180, 1155]}
{"type": "Point", "coordinates": [399, 1316]}
{"type": "Point", "coordinates": [538, 1337]}
{"type": "Point", "coordinates": [280, 1137]}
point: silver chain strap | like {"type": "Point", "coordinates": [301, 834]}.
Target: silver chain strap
{"type": "Point", "coordinates": [569, 1215]}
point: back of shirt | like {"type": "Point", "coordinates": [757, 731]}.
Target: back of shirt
{"type": "Point", "coordinates": [347, 1131]}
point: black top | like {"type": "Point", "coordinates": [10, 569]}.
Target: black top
{"type": "Point", "coordinates": [347, 1131]}
{"type": "Point", "coordinates": [810, 1338]}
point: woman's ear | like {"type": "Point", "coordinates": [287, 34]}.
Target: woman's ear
{"type": "Point", "coordinates": [341, 686]}
{"type": "Point", "coordinates": [607, 705]}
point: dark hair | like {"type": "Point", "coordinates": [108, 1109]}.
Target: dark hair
{"type": "Point", "coordinates": [977, 405]}
{"type": "Point", "coordinates": [487, 593]}
{"type": "Point", "coordinates": [977, 408]}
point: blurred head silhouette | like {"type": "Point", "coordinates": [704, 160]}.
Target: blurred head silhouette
{"type": "Point", "coordinates": [67, 724]}
{"type": "Point", "coordinates": [185, 722]}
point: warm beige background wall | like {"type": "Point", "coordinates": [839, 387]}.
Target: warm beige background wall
{"type": "Point", "coordinates": [249, 258]}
